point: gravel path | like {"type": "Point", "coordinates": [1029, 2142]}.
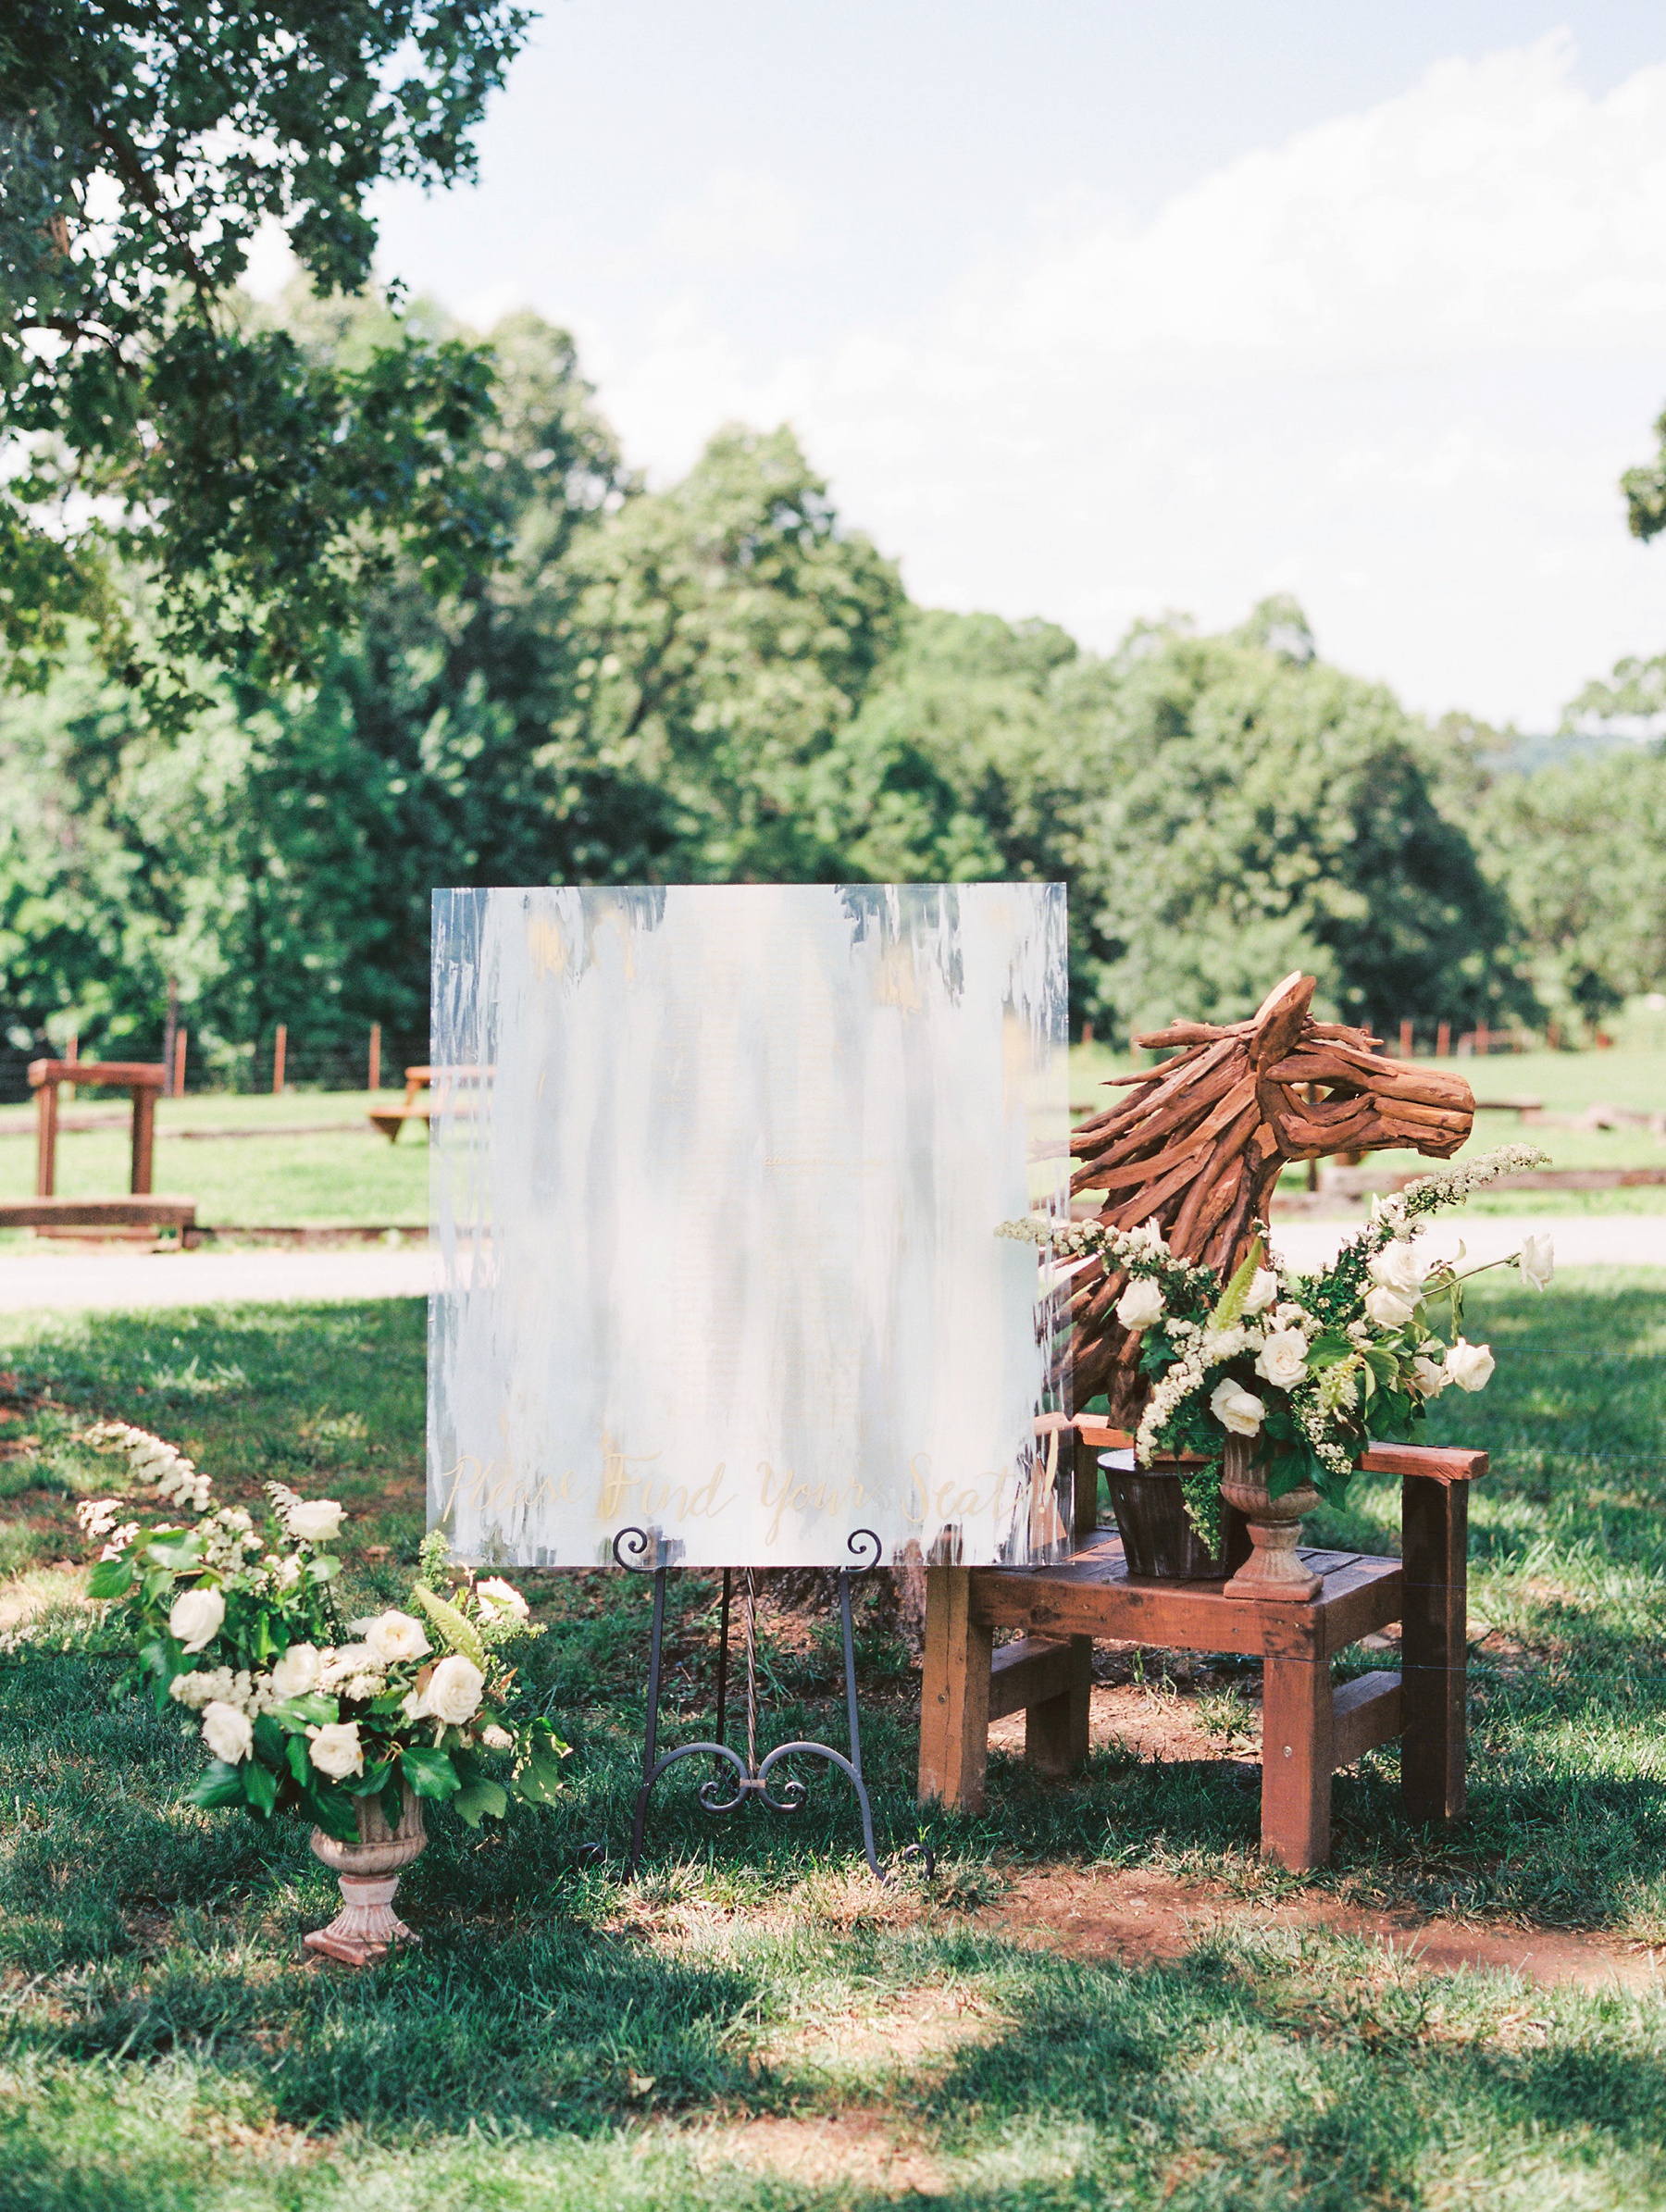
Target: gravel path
{"type": "Point", "coordinates": [54, 1281]}
{"type": "Point", "coordinates": [32, 1281]}
{"type": "Point", "coordinates": [1581, 1239]}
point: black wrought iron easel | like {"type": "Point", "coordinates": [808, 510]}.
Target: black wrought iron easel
{"type": "Point", "coordinates": [752, 1774]}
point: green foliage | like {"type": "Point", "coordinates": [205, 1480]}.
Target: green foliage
{"type": "Point", "coordinates": [145, 416]}
{"type": "Point", "coordinates": [1580, 849]}
{"type": "Point", "coordinates": [1254, 810]}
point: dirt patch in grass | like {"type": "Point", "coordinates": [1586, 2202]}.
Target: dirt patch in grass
{"type": "Point", "coordinates": [1137, 1918]}
{"type": "Point", "coordinates": [856, 2149]}
{"type": "Point", "coordinates": [1161, 1723]}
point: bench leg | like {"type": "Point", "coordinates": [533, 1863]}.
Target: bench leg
{"type": "Point", "coordinates": [1433, 1645]}
{"type": "Point", "coordinates": [1296, 1762]}
{"type": "Point", "coordinates": [954, 1694]}
{"type": "Point", "coordinates": [1055, 1733]}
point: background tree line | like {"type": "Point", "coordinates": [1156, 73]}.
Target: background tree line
{"type": "Point", "coordinates": [722, 681]}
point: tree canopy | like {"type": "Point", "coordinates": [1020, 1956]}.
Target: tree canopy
{"type": "Point", "coordinates": [156, 434]}
{"type": "Point", "coordinates": [721, 681]}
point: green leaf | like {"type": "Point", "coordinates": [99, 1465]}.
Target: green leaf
{"type": "Point", "coordinates": [110, 1578]}
{"type": "Point", "coordinates": [1330, 1350]}
{"type": "Point", "coordinates": [458, 1632]}
{"type": "Point", "coordinates": [270, 1743]}
{"type": "Point", "coordinates": [477, 1799]}
{"type": "Point", "coordinates": [322, 1569]}
{"type": "Point", "coordinates": [179, 1553]}
{"type": "Point", "coordinates": [1230, 1303]}
{"type": "Point", "coordinates": [371, 1783]}
{"type": "Point", "coordinates": [219, 1785]}
{"type": "Point", "coordinates": [300, 1766]}
{"type": "Point", "coordinates": [392, 1804]}
{"type": "Point", "coordinates": [314, 1709]}
{"type": "Point", "coordinates": [332, 1810]}
{"type": "Point", "coordinates": [260, 1785]}
{"type": "Point", "coordinates": [430, 1773]}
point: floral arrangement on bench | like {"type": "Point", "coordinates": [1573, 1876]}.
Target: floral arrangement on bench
{"type": "Point", "coordinates": [349, 1723]}
{"type": "Point", "coordinates": [1310, 1367]}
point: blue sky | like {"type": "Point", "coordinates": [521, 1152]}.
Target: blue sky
{"type": "Point", "coordinates": [1095, 311]}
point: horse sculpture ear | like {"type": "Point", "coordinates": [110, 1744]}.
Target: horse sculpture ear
{"type": "Point", "coordinates": [1278, 1018]}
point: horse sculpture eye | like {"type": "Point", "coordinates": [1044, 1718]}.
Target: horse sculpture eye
{"type": "Point", "coordinates": [1199, 1145]}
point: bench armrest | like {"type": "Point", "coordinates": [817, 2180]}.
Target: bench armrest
{"type": "Point", "coordinates": [1439, 1462]}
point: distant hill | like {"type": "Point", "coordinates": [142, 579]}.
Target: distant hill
{"type": "Point", "coordinates": [1523, 755]}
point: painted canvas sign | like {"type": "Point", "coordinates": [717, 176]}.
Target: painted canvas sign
{"type": "Point", "coordinates": [716, 1176]}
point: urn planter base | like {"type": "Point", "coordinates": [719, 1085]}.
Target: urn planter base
{"type": "Point", "coordinates": [366, 1927]}
{"type": "Point", "coordinates": [1272, 1569]}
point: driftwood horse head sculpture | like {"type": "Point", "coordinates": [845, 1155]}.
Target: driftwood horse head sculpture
{"type": "Point", "coordinates": [1199, 1147]}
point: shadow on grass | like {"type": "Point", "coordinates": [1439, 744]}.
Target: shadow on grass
{"type": "Point", "coordinates": [1244, 2075]}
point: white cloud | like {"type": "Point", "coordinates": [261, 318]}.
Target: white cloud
{"type": "Point", "coordinates": [1394, 365]}
{"type": "Point", "coordinates": [741, 217]}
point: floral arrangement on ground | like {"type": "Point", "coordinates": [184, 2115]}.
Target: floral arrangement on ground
{"type": "Point", "coordinates": [239, 1626]}
{"type": "Point", "coordinates": [1315, 1366]}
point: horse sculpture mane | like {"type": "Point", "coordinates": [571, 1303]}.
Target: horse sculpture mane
{"type": "Point", "coordinates": [1199, 1147]}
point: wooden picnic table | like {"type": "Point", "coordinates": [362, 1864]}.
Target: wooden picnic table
{"type": "Point", "coordinates": [391, 1120]}
{"type": "Point", "coordinates": [1309, 1726]}
{"type": "Point", "coordinates": [139, 1213]}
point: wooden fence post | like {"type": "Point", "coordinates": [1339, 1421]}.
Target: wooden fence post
{"type": "Point", "coordinates": [73, 1053]}
{"type": "Point", "coordinates": [1442, 1041]}
{"type": "Point", "coordinates": [375, 1079]}
{"type": "Point", "coordinates": [279, 1048]}
{"type": "Point", "coordinates": [47, 1113]}
{"type": "Point", "coordinates": [1406, 1040]}
{"type": "Point", "coordinates": [180, 1036]}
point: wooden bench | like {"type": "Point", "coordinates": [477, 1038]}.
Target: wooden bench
{"type": "Point", "coordinates": [1310, 1727]}
{"type": "Point", "coordinates": [114, 1217]}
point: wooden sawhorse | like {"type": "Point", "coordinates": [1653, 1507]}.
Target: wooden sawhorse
{"type": "Point", "coordinates": [1309, 1726]}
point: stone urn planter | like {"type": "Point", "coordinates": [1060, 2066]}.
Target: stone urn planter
{"type": "Point", "coordinates": [1159, 1541]}
{"type": "Point", "coordinates": [369, 1871]}
{"type": "Point", "coordinates": [1274, 1525]}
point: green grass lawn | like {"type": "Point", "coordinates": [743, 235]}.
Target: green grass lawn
{"type": "Point", "coordinates": [307, 1156]}
{"type": "Point", "coordinates": [755, 2024]}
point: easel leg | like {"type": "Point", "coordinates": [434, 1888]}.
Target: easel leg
{"type": "Point", "coordinates": [1296, 1762]}
{"type": "Point", "coordinates": [1434, 1646]}
{"type": "Point", "coordinates": [650, 1728]}
{"type": "Point", "coordinates": [1055, 1733]}
{"type": "Point", "coordinates": [854, 1719]}
{"type": "Point", "coordinates": [954, 1692]}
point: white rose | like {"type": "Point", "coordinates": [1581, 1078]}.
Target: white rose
{"type": "Point", "coordinates": [1283, 1359]}
{"type": "Point", "coordinates": [1429, 1378]}
{"type": "Point", "coordinates": [1387, 1308]}
{"type": "Point", "coordinates": [195, 1619]}
{"type": "Point", "coordinates": [1537, 1261]}
{"type": "Point", "coordinates": [497, 1597]}
{"type": "Point", "coordinates": [1289, 1315]}
{"type": "Point", "coordinates": [1470, 1365]}
{"type": "Point", "coordinates": [394, 1635]}
{"type": "Point", "coordinates": [453, 1690]}
{"type": "Point", "coordinates": [315, 1519]}
{"type": "Point", "coordinates": [1263, 1289]}
{"type": "Point", "coordinates": [227, 1733]}
{"type": "Point", "coordinates": [1140, 1304]}
{"type": "Point", "coordinates": [336, 1749]}
{"type": "Point", "coordinates": [1397, 1267]}
{"type": "Point", "coordinates": [1238, 1411]}
{"type": "Point", "coordinates": [297, 1671]}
